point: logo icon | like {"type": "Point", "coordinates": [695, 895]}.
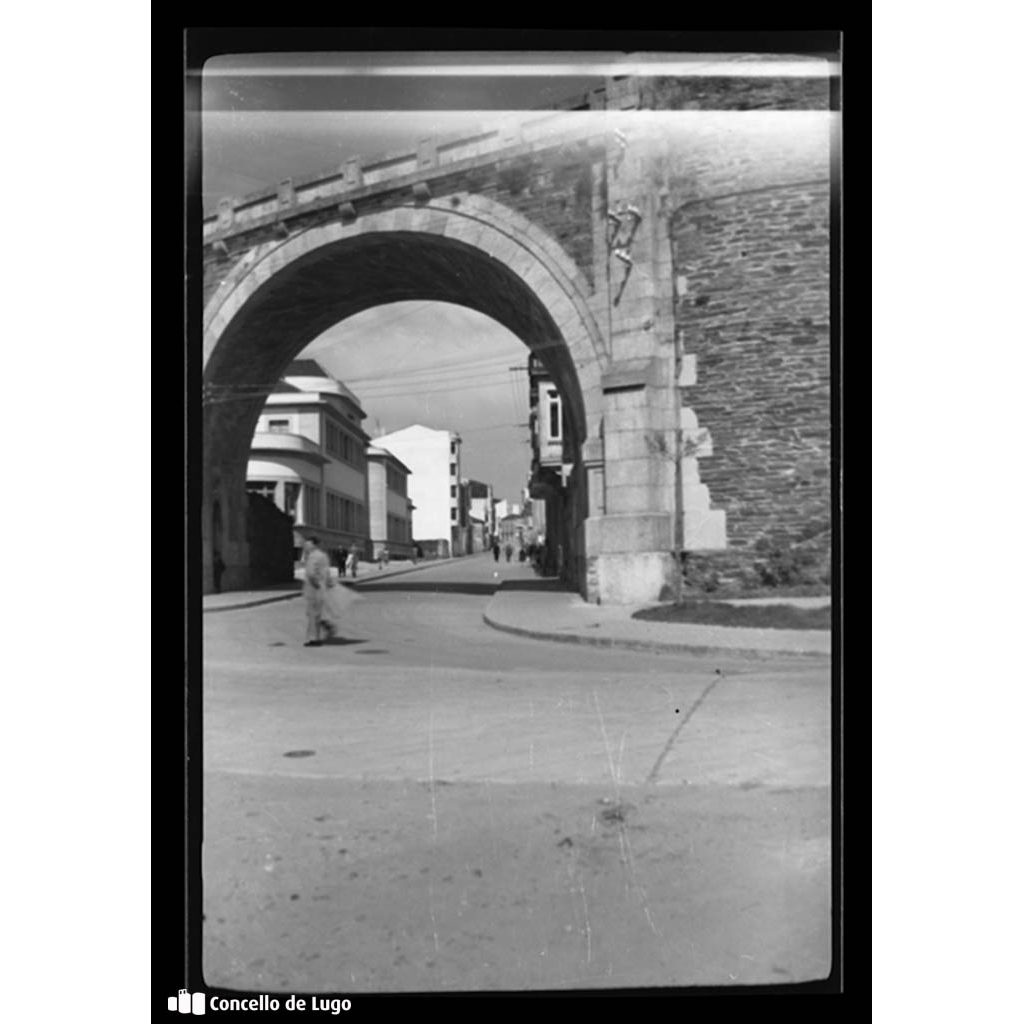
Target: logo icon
{"type": "Point", "coordinates": [187, 1003]}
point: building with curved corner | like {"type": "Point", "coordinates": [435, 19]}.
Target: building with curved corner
{"type": "Point", "coordinates": [308, 455]}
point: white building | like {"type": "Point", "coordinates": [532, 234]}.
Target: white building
{"type": "Point", "coordinates": [391, 507]}
{"type": "Point", "coordinates": [308, 455]}
{"type": "Point", "coordinates": [439, 518]}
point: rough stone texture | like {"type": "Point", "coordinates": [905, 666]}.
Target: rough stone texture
{"type": "Point", "coordinates": [756, 314]}
{"type": "Point", "coordinates": [634, 577]}
{"type": "Point", "coordinates": [735, 93]}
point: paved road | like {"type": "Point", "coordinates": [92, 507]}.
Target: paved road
{"type": "Point", "coordinates": [429, 804]}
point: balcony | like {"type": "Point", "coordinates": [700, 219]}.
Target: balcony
{"type": "Point", "coordinates": [294, 445]}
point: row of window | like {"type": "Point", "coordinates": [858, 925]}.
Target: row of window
{"type": "Point", "coordinates": [341, 444]}
{"type": "Point", "coordinates": [345, 514]}
{"type": "Point", "coordinates": [396, 481]}
{"type": "Point", "coordinates": [311, 505]}
{"type": "Point", "coordinates": [399, 529]}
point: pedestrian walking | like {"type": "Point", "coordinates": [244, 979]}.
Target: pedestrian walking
{"type": "Point", "coordinates": [326, 600]}
{"type": "Point", "coordinates": [496, 548]}
{"type": "Point", "coordinates": [342, 560]}
{"type": "Point", "coordinates": [508, 552]}
{"type": "Point", "coordinates": [352, 562]}
{"type": "Point", "coordinates": [314, 588]}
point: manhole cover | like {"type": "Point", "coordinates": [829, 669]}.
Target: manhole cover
{"type": "Point", "coordinates": [372, 651]}
{"type": "Point", "coordinates": [299, 753]}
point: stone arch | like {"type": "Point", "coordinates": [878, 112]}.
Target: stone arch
{"type": "Point", "coordinates": [463, 248]}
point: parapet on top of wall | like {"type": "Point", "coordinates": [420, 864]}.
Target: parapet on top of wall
{"type": "Point", "coordinates": [716, 85]}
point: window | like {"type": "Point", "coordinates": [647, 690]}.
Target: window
{"type": "Point", "coordinates": [278, 426]}
{"type": "Point", "coordinates": [311, 505]}
{"type": "Point", "coordinates": [291, 496]}
{"type": "Point", "coordinates": [455, 514]}
{"type": "Point", "coordinates": [343, 445]}
{"type": "Point", "coordinates": [554, 416]}
{"type": "Point", "coordinates": [264, 488]}
{"type": "Point", "coordinates": [455, 491]}
{"type": "Point", "coordinates": [453, 470]}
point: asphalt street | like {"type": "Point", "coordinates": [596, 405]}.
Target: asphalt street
{"type": "Point", "coordinates": [427, 804]}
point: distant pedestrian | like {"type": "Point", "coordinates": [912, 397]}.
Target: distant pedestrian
{"type": "Point", "coordinates": [352, 563]}
{"type": "Point", "coordinates": [508, 552]}
{"type": "Point", "coordinates": [218, 570]}
{"type": "Point", "coordinates": [496, 548]}
{"type": "Point", "coordinates": [385, 557]}
{"type": "Point", "coordinates": [522, 554]}
{"type": "Point", "coordinates": [342, 560]}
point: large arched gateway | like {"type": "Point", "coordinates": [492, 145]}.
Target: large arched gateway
{"type": "Point", "coordinates": [662, 248]}
{"type": "Point", "coordinates": [283, 293]}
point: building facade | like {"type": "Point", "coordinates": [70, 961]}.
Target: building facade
{"type": "Point", "coordinates": [548, 474]}
{"type": "Point", "coordinates": [308, 455]}
{"type": "Point", "coordinates": [440, 517]}
{"type": "Point", "coordinates": [390, 504]}
{"type": "Point", "coordinates": [481, 512]}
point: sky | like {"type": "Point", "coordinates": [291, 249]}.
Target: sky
{"type": "Point", "coordinates": [266, 117]}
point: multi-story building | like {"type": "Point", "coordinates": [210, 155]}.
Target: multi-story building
{"type": "Point", "coordinates": [390, 504]}
{"type": "Point", "coordinates": [308, 455]}
{"type": "Point", "coordinates": [440, 517]}
{"type": "Point", "coordinates": [548, 474]}
{"type": "Point", "coordinates": [481, 512]}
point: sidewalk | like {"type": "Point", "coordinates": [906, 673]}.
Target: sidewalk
{"type": "Point", "coordinates": [368, 573]}
{"type": "Point", "coordinates": [543, 610]}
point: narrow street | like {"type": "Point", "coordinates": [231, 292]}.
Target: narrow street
{"type": "Point", "coordinates": [427, 804]}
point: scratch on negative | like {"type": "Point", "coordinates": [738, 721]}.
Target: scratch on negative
{"type": "Point", "coordinates": [627, 849]}
{"type": "Point", "coordinates": [586, 919]}
{"type": "Point", "coordinates": [607, 745]}
{"type": "Point", "coordinates": [433, 800]}
{"type": "Point", "coordinates": [433, 919]}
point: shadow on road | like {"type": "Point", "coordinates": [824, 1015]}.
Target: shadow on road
{"type": "Point", "coordinates": [547, 584]}
{"type": "Point", "coordinates": [339, 641]}
{"type": "Point", "coordinates": [481, 589]}
{"type": "Point", "coordinates": [485, 589]}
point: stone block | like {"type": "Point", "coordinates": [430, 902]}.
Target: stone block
{"type": "Point", "coordinates": [631, 499]}
{"type": "Point", "coordinates": [642, 578]}
{"type": "Point", "coordinates": [627, 374]}
{"type": "Point", "coordinates": [285, 194]}
{"type": "Point", "coordinates": [696, 497]}
{"type": "Point", "coordinates": [687, 371]}
{"type": "Point", "coordinates": [225, 214]}
{"type": "Point", "coordinates": [704, 530]}
{"type": "Point", "coordinates": [690, 469]}
{"type": "Point", "coordinates": [697, 443]}
{"type": "Point", "coordinates": [623, 534]}
{"type": "Point", "coordinates": [426, 153]}
{"type": "Point", "coordinates": [353, 173]}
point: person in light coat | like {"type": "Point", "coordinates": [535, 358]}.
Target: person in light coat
{"type": "Point", "coordinates": [314, 589]}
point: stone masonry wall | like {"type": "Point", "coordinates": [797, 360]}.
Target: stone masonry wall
{"type": "Point", "coordinates": [731, 93]}
{"type": "Point", "coordinates": [754, 309]}
{"type": "Point", "coordinates": [550, 187]}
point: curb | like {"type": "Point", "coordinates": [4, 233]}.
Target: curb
{"type": "Point", "coordinates": [344, 582]}
{"type": "Point", "coordinates": [653, 645]}
{"type": "Point", "coordinates": [251, 604]}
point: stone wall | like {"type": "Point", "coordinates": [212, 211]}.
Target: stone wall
{"type": "Point", "coordinates": [752, 303]}
{"type": "Point", "coordinates": [550, 187]}
{"type": "Point", "coordinates": [733, 93]}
